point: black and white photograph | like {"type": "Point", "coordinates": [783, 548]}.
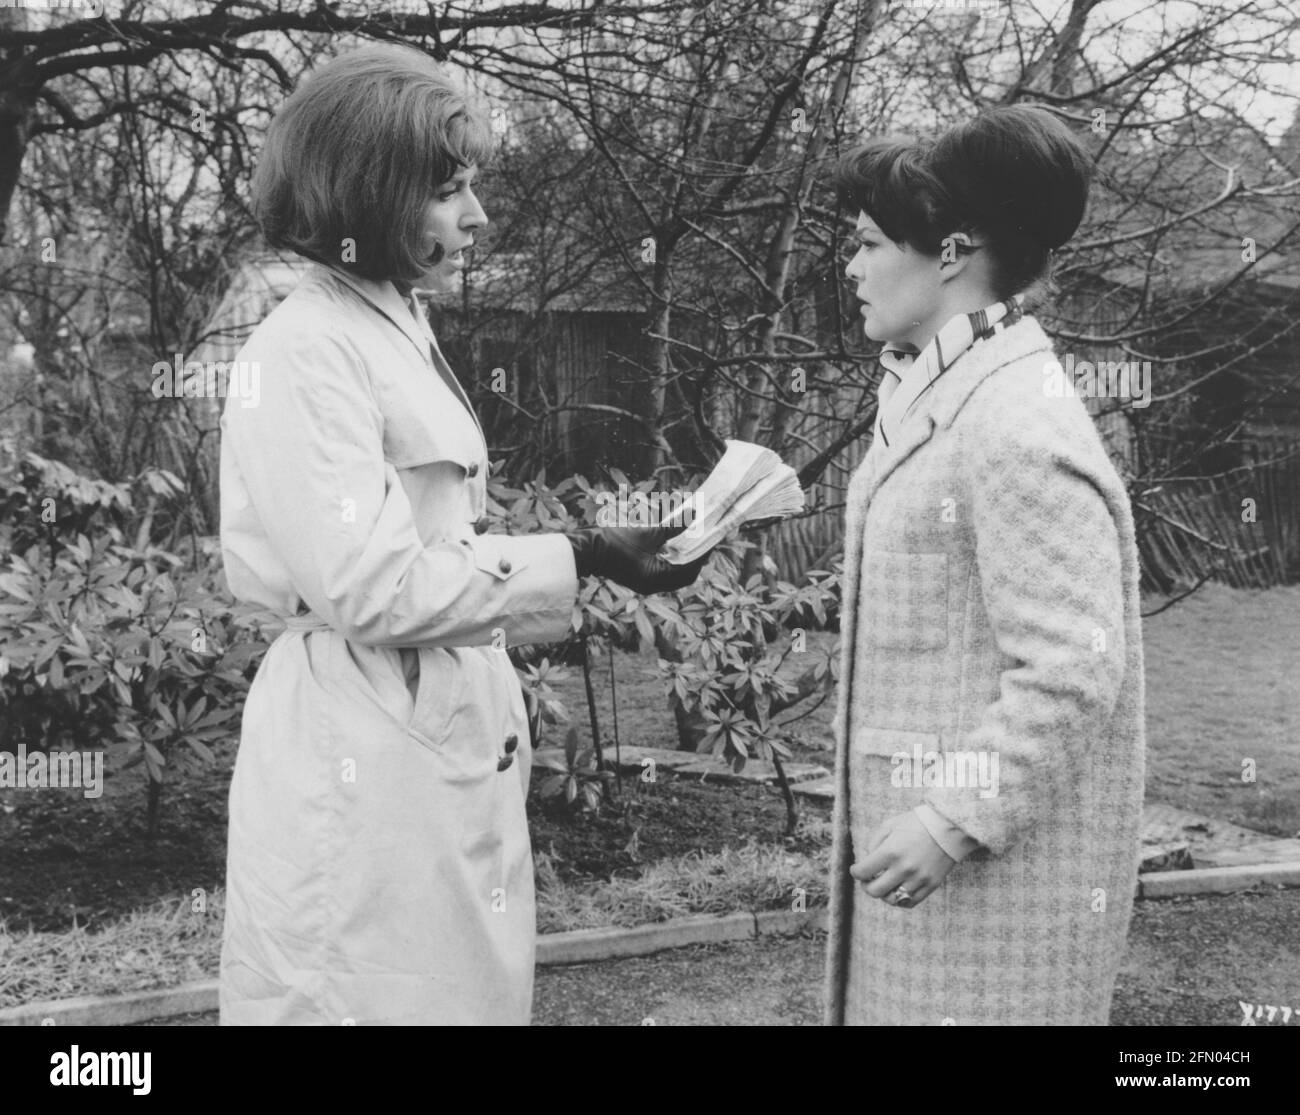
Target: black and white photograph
{"type": "Point", "coordinates": [662, 513]}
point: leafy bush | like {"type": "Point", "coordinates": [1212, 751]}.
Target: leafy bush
{"type": "Point", "coordinates": [721, 644]}
{"type": "Point", "coordinates": [111, 644]}
{"type": "Point", "coordinates": [732, 641]}
{"type": "Point", "coordinates": [111, 641]}
{"type": "Point", "coordinates": [576, 776]}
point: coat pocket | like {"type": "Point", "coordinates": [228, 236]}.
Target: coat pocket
{"type": "Point", "coordinates": [903, 601]}
{"type": "Point", "coordinates": [882, 781]}
{"type": "Point", "coordinates": [892, 742]}
{"type": "Point", "coordinates": [438, 696]}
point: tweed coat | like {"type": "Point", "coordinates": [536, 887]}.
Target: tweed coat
{"type": "Point", "coordinates": [990, 606]}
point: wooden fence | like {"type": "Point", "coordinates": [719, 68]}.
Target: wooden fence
{"type": "Point", "coordinates": [1189, 528]}
{"type": "Point", "coordinates": [815, 539]}
{"type": "Point", "coordinates": [1241, 527]}
{"type": "Point", "coordinates": [809, 542]}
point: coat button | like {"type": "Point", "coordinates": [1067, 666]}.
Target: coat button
{"type": "Point", "coordinates": [472, 470]}
{"type": "Point", "coordinates": [481, 524]}
{"type": "Point", "coordinates": [505, 762]}
{"type": "Point", "coordinates": [503, 565]}
{"type": "Point", "coordinates": [512, 742]}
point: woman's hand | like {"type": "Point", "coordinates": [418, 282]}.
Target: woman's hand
{"type": "Point", "coordinates": [630, 556]}
{"type": "Point", "coordinates": [902, 853]}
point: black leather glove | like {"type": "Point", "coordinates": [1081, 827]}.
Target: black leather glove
{"type": "Point", "coordinates": [630, 556]}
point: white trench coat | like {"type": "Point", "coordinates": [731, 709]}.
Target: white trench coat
{"type": "Point", "coordinates": [379, 867]}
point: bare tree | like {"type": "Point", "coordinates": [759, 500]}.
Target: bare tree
{"type": "Point", "coordinates": [681, 150]}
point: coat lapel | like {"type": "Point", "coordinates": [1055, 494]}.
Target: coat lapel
{"type": "Point", "coordinates": [385, 298]}
{"type": "Point", "coordinates": [881, 460]}
{"type": "Point", "coordinates": [939, 406]}
{"type": "Point", "coordinates": [444, 369]}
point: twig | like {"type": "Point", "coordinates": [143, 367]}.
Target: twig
{"type": "Point", "coordinates": [1182, 596]}
{"type": "Point", "coordinates": [791, 806]}
{"type": "Point", "coordinates": [613, 697]}
{"type": "Point", "coordinates": [591, 702]}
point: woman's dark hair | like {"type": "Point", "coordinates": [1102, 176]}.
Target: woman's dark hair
{"type": "Point", "coordinates": [355, 154]}
{"type": "Point", "coordinates": [1014, 173]}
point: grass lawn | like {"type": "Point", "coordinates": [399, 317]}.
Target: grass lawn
{"type": "Point", "coordinates": [1223, 685]}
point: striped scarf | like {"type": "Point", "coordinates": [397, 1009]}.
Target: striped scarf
{"type": "Point", "coordinates": [909, 375]}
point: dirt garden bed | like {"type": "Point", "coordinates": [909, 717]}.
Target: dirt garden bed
{"type": "Point", "coordinates": [65, 860]}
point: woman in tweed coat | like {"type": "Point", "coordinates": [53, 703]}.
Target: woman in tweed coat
{"type": "Point", "coordinates": [989, 738]}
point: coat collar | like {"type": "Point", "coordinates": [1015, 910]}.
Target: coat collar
{"type": "Point", "coordinates": [913, 374]}
{"type": "Point", "coordinates": [939, 406]}
{"type": "Point", "coordinates": [385, 298]}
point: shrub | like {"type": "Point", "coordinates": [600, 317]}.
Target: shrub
{"type": "Point", "coordinates": [721, 644]}
{"type": "Point", "coordinates": [111, 644]}
{"type": "Point", "coordinates": [111, 641]}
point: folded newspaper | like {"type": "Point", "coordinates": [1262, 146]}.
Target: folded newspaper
{"type": "Point", "coordinates": [748, 484]}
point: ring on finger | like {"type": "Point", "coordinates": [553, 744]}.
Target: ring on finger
{"type": "Point", "coordinates": [901, 896]}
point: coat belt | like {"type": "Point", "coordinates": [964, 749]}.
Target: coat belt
{"type": "Point", "coordinates": [305, 621]}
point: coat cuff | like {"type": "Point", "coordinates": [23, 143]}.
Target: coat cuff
{"type": "Point", "coordinates": [542, 579]}
{"type": "Point", "coordinates": [953, 839]}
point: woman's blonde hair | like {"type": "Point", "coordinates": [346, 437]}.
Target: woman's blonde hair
{"type": "Point", "coordinates": [352, 157]}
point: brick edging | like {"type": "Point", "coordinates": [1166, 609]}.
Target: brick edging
{"type": "Point", "coordinates": [1217, 880]}
{"type": "Point", "coordinates": [578, 946]}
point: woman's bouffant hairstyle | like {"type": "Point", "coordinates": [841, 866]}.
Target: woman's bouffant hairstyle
{"type": "Point", "coordinates": [1014, 173]}
{"type": "Point", "coordinates": [355, 154]}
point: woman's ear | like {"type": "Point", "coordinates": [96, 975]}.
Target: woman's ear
{"type": "Point", "coordinates": [955, 252]}
{"type": "Point", "coordinates": [954, 247]}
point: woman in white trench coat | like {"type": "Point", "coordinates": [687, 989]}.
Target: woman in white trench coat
{"type": "Point", "coordinates": [379, 865]}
